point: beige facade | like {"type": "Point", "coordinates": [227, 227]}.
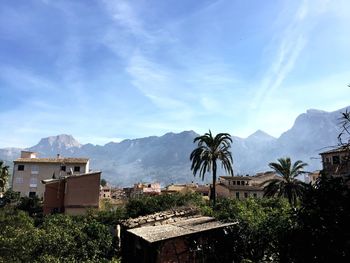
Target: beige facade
{"type": "Point", "coordinates": [146, 189]}
{"type": "Point", "coordinates": [105, 192]}
{"type": "Point", "coordinates": [312, 177]}
{"type": "Point", "coordinates": [29, 171]}
{"type": "Point", "coordinates": [242, 187]}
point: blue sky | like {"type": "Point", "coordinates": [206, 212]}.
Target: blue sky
{"type": "Point", "coordinates": [109, 70]}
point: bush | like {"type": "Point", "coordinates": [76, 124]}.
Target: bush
{"type": "Point", "coordinates": [259, 234]}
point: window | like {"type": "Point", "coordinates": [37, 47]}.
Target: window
{"type": "Point", "coordinates": [255, 195]}
{"type": "Point", "coordinates": [237, 195]}
{"type": "Point", "coordinates": [34, 169]}
{"type": "Point", "coordinates": [336, 159]}
{"type": "Point", "coordinates": [238, 182]}
{"type": "Point", "coordinates": [245, 195]}
{"type": "Point", "coordinates": [234, 182]}
{"type": "Point", "coordinates": [19, 180]}
{"type": "Point", "coordinates": [63, 168]}
{"type": "Point", "coordinates": [76, 168]}
{"type": "Point", "coordinates": [21, 167]}
{"type": "Point", "coordinates": [32, 194]}
{"type": "Point", "coordinates": [242, 182]}
{"type": "Point", "coordinates": [33, 182]}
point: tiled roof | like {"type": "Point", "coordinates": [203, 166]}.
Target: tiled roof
{"type": "Point", "coordinates": [178, 228]}
{"type": "Point", "coordinates": [51, 160]}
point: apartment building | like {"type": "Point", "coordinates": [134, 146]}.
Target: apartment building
{"type": "Point", "coordinates": [29, 171]}
{"type": "Point", "coordinates": [242, 187]}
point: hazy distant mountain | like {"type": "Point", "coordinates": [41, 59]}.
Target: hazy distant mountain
{"type": "Point", "coordinates": [64, 144]}
{"type": "Point", "coordinates": [166, 158]}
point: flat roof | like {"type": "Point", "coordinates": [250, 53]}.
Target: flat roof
{"type": "Point", "coordinates": [236, 177]}
{"type": "Point", "coordinates": [48, 181]}
{"type": "Point", "coordinates": [51, 160]}
{"type": "Point", "coordinates": [337, 150]}
{"type": "Point", "coordinates": [180, 228]}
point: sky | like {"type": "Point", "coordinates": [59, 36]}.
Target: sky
{"type": "Point", "coordinates": [110, 70]}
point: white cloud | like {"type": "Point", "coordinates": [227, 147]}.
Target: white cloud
{"type": "Point", "coordinates": [292, 43]}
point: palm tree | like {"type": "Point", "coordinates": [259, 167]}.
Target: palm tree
{"type": "Point", "coordinates": [288, 185]}
{"type": "Point", "coordinates": [4, 174]}
{"type": "Point", "coordinates": [210, 150]}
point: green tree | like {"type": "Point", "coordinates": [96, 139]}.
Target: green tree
{"type": "Point", "coordinates": [210, 150]}
{"type": "Point", "coordinates": [4, 175]}
{"type": "Point", "coordinates": [288, 185]}
{"type": "Point", "coordinates": [258, 235]}
{"type": "Point", "coordinates": [18, 236]}
{"type": "Point", "coordinates": [322, 231]}
{"type": "Point", "coordinates": [103, 182]}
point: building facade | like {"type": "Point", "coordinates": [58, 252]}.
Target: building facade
{"type": "Point", "coordinates": [337, 162]}
{"type": "Point", "coordinates": [29, 171]}
{"type": "Point", "coordinates": [242, 187]}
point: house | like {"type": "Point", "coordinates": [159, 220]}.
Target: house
{"type": "Point", "coordinates": [170, 236]}
{"type": "Point", "coordinates": [312, 177]}
{"type": "Point", "coordinates": [29, 170]}
{"type": "Point", "coordinates": [336, 162]}
{"type": "Point", "coordinates": [187, 188]}
{"type": "Point", "coordinates": [105, 192]}
{"type": "Point", "coordinates": [72, 195]}
{"type": "Point", "coordinates": [141, 189]}
{"type": "Point", "coordinates": [241, 187]}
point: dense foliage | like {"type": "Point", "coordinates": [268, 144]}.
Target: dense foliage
{"type": "Point", "coordinates": [267, 229]}
{"type": "Point", "coordinates": [258, 235]}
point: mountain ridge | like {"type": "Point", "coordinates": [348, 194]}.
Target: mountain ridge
{"type": "Point", "coordinates": [166, 158]}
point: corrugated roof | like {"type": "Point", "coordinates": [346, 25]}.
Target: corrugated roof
{"type": "Point", "coordinates": [51, 160]}
{"type": "Point", "coordinates": [177, 229]}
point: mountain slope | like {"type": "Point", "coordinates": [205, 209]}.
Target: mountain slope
{"type": "Point", "coordinates": [166, 158]}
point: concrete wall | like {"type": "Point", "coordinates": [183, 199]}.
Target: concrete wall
{"type": "Point", "coordinates": [54, 197]}
{"type": "Point", "coordinates": [82, 192]}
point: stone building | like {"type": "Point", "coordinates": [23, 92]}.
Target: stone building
{"type": "Point", "coordinates": [336, 162]}
{"type": "Point", "coordinates": [170, 236]}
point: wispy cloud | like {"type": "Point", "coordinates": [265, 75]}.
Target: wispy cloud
{"type": "Point", "coordinates": [292, 43]}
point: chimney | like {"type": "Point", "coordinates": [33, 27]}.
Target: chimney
{"type": "Point", "coordinates": [27, 154]}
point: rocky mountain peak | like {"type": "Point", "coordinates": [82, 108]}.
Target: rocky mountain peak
{"type": "Point", "coordinates": [261, 135]}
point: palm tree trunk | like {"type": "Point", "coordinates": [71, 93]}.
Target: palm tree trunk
{"type": "Point", "coordinates": [214, 183]}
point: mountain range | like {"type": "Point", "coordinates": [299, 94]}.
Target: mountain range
{"type": "Point", "coordinates": [165, 159]}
